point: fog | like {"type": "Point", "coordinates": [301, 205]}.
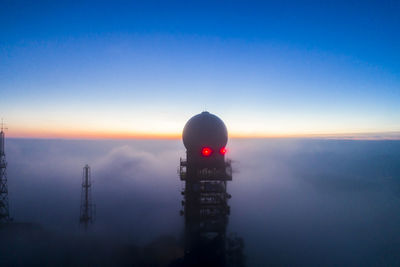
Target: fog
{"type": "Point", "coordinates": [294, 202]}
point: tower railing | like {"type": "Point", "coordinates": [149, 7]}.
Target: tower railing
{"type": "Point", "coordinates": [210, 174]}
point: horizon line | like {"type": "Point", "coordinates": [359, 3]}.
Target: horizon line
{"type": "Point", "coordinates": [392, 135]}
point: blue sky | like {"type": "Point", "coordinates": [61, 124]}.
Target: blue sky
{"type": "Point", "coordinates": [267, 68]}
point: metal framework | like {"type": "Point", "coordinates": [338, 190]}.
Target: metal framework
{"type": "Point", "coordinates": [206, 210]}
{"type": "Point", "coordinates": [87, 210]}
{"type": "Point", "coordinates": [4, 207]}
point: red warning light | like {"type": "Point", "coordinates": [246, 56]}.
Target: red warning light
{"type": "Point", "coordinates": [206, 151]}
{"type": "Point", "coordinates": [222, 151]}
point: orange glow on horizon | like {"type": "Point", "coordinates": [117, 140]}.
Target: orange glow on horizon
{"type": "Point", "coordinates": [90, 135]}
{"type": "Point", "coordinates": [62, 134]}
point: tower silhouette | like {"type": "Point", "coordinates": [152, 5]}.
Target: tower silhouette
{"type": "Point", "coordinates": [87, 207]}
{"type": "Point", "coordinates": [205, 173]}
{"type": "Point", "coordinates": [4, 207]}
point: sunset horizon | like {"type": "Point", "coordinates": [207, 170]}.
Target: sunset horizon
{"type": "Point", "coordinates": [373, 135]}
{"type": "Point", "coordinates": [223, 133]}
{"type": "Point", "coordinates": [133, 69]}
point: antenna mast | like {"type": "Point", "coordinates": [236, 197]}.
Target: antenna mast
{"type": "Point", "coordinates": [4, 207]}
{"type": "Point", "coordinates": [87, 207]}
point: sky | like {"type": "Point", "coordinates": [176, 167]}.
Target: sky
{"type": "Point", "coordinates": [123, 69]}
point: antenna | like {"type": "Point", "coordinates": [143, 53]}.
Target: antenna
{"type": "Point", "coordinates": [2, 125]}
{"type": "Point", "coordinates": [4, 207]}
{"type": "Point", "coordinates": [87, 207]}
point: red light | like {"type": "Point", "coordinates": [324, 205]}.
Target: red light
{"type": "Point", "coordinates": [222, 151]}
{"type": "Point", "coordinates": [206, 151]}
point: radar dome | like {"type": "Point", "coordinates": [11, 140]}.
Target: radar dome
{"type": "Point", "coordinates": [205, 130]}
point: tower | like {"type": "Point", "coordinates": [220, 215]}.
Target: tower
{"type": "Point", "coordinates": [87, 207]}
{"type": "Point", "coordinates": [4, 208]}
{"type": "Point", "coordinates": [205, 173]}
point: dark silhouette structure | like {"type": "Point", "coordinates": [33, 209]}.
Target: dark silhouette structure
{"type": "Point", "coordinates": [205, 206]}
{"type": "Point", "coordinates": [4, 207]}
{"type": "Point", "coordinates": [87, 207]}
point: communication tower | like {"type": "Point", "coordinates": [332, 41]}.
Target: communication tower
{"type": "Point", "coordinates": [87, 208]}
{"type": "Point", "coordinates": [205, 173]}
{"type": "Point", "coordinates": [4, 208]}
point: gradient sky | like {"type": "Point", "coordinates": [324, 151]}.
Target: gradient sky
{"type": "Point", "coordinates": [122, 69]}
